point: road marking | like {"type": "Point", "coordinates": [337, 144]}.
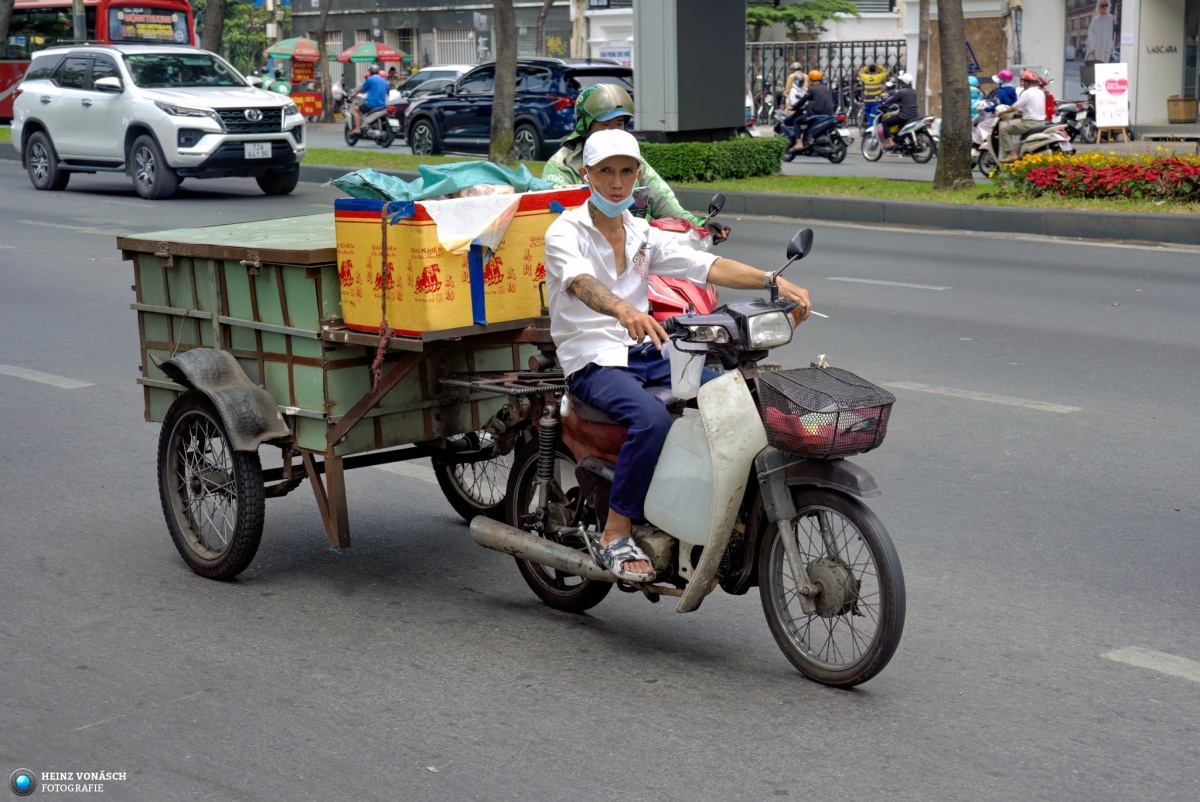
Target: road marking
{"type": "Point", "coordinates": [419, 472]}
{"type": "Point", "coordinates": [1157, 661]}
{"type": "Point", "coordinates": [44, 378]}
{"type": "Point", "coordinates": [989, 397]}
{"type": "Point", "coordinates": [140, 709]}
{"type": "Point", "coordinates": [888, 283]}
{"type": "Point", "coordinates": [106, 232]}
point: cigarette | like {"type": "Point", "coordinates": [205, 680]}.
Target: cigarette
{"type": "Point", "coordinates": [818, 314]}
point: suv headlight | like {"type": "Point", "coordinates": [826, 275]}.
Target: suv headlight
{"type": "Point", "coordinates": [769, 330]}
{"type": "Point", "coordinates": [290, 109]}
{"type": "Point", "coordinates": [184, 111]}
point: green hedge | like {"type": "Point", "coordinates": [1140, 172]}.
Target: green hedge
{"type": "Point", "coordinates": [743, 157]}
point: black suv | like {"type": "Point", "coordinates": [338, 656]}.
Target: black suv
{"type": "Point", "coordinates": [461, 118]}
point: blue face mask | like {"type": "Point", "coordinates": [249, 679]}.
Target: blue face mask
{"type": "Point", "coordinates": [609, 208]}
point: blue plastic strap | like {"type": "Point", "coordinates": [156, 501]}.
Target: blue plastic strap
{"type": "Point", "coordinates": [476, 258]}
{"type": "Point", "coordinates": [400, 210]}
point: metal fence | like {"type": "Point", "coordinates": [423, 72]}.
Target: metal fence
{"type": "Point", "coordinates": [767, 68]}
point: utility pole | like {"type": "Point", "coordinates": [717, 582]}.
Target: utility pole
{"type": "Point", "coordinates": [80, 20]}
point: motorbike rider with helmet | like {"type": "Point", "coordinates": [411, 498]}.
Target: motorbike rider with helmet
{"type": "Point", "coordinates": [817, 101]}
{"type": "Point", "coordinates": [1032, 103]}
{"type": "Point", "coordinates": [608, 106]}
{"type": "Point", "coordinates": [1005, 96]}
{"type": "Point", "coordinates": [899, 108]}
{"type": "Point", "coordinates": [376, 87]}
{"type": "Point", "coordinates": [976, 92]}
{"type": "Point", "coordinates": [598, 261]}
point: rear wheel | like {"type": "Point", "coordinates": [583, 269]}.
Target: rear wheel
{"type": "Point", "coordinates": [924, 148]}
{"type": "Point", "coordinates": [839, 152]}
{"type": "Point", "coordinates": [872, 148]}
{"type": "Point", "coordinates": [527, 146]}
{"type": "Point", "coordinates": [423, 139]}
{"type": "Point", "coordinates": [389, 136]}
{"type": "Point", "coordinates": [558, 590]}
{"type": "Point", "coordinates": [988, 166]}
{"type": "Point", "coordinates": [281, 182]}
{"type": "Point", "coordinates": [153, 178]}
{"type": "Point", "coordinates": [859, 615]}
{"type": "Point", "coordinates": [212, 496]}
{"type": "Point", "coordinates": [1088, 132]}
{"type": "Point", "coordinates": [41, 161]}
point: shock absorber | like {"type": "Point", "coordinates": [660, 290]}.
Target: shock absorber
{"type": "Point", "coordinates": [548, 426]}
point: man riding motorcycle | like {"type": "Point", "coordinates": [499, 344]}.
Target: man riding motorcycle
{"type": "Point", "coordinates": [1032, 103]}
{"type": "Point", "coordinates": [376, 88]}
{"type": "Point", "coordinates": [899, 108]}
{"type": "Point", "coordinates": [603, 107]}
{"type": "Point", "coordinates": [598, 261]}
{"type": "Point", "coordinates": [817, 101]}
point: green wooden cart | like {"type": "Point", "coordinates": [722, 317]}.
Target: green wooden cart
{"type": "Point", "coordinates": [242, 346]}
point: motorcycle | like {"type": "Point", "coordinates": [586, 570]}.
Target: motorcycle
{"type": "Point", "coordinates": [380, 126]}
{"type": "Point", "coordinates": [915, 139]}
{"type": "Point", "coordinates": [1049, 138]}
{"type": "Point", "coordinates": [780, 505]}
{"type": "Point", "coordinates": [827, 137]}
{"type": "Point", "coordinates": [671, 296]}
{"type": "Point", "coordinates": [1079, 116]}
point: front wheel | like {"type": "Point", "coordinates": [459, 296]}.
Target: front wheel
{"type": "Point", "coordinates": [872, 148]}
{"type": "Point", "coordinates": [839, 152]}
{"type": "Point", "coordinates": [212, 496]}
{"type": "Point", "coordinates": [859, 615]}
{"type": "Point", "coordinates": [153, 178]}
{"type": "Point", "coordinates": [988, 166]}
{"type": "Point", "coordinates": [351, 139]}
{"type": "Point", "coordinates": [924, 148]}
{"type": "Point", "coordinates": [558, 590]}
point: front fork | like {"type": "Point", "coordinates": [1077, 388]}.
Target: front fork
{"type": "Point", "coordinates": [771, 468]}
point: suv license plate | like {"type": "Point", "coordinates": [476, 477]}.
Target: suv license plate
{"type": "Point", "coordinates": [258, 150]}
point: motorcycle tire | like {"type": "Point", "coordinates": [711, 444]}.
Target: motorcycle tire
{"type": "Point", "coordinates": [788, 155]}
{"type": "Point", "coordinates": [872, 148]}
{"type": "Point", "coordinates": [351, 139]}
{"type": "Point", "coordinates": [988, 166]}
{"type": "Point", "coordinates": [839, 153]}
{"type": "Point", "coordinates": [859, 617]}
{"type": "Point", "coordinates": [1088, 132]}
{"type": "Point", "coordinates": [924, 149]}
{"type": "Point", "coordinates": [389, 136]}
{"type": "Point", "coordinates": [561, 591]}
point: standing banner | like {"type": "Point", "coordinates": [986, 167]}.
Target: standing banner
{"type": "Point", "coordinates": [1112, 95]}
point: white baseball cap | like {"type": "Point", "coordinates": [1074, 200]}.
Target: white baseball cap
{"type": "Point", "coordinates": [613, 142]}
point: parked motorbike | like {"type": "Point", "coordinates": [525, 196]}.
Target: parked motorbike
{"type": "Point", "coordinates": [1079, 116]}
{"type": "Point", "coordinates": [1049, 138]}
{"type": "Point", "coordinates": [380, 126]}
{"type": "Point", "coordinates": [915, 139]}
{"type": "Point", "coordinates": [826, 135]}
{"type": "Point", "coordinates": [752, 488]}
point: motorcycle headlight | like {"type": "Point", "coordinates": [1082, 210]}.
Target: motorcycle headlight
{"type": "Point", "coordinates": [290, 109]}
{"type": "Point", "coordinates": [184, 111]}
{"type": "Point", "coordinates": [769, 330]}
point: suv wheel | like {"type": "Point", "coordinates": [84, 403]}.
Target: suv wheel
{"type": "Point", "coordinates": [423, 139]}
{"type": "Point", "coordinates": [42, 163]}
{"type": "Point", "coordinates": [527, 146]}
{"type": "Point", "coordinates": [153, 178]}
{"type": "Point", "coordinates": [281, 182]}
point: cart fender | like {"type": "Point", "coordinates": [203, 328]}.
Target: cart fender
{"type": "Point", "coordinates": [251, 416]}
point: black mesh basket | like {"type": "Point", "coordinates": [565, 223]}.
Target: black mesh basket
{"type": "Point", "coordinates": [823, 412]}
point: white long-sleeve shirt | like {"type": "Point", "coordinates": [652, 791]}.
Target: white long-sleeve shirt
{"type": "Point", "coordinates": [1032, 103]}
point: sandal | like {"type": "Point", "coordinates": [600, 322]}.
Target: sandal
{"type": "Point", "coordinates": [621, 550]}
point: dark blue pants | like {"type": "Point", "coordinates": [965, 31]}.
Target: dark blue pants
{"type": "Point", "coordinates": [620, 394]}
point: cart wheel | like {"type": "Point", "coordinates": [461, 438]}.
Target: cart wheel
{"type": "Point", "coordinates": [475, 488]}
{"type": "Point", "coordinates": [212, 496]}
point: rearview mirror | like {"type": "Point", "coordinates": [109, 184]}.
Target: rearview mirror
{"type": "Point", "coordinates": [449, 90]}
{"type": "Point", "coordinates": [109, 84]}
{"type": "Point", "coordinates": [716, 204]}
{"type": "Point", "coordinates": [801, 244]}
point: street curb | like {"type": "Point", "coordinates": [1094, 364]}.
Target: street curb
{"type": "Point", "coordinates": [1160, 228]}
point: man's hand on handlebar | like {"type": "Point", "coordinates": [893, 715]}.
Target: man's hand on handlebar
{"type": "Point", "coordinates": [640, 325]}
{"type": "Point", "coordinates": [719, 232]}
{"type": "Point", "coordinates": [794, 293]}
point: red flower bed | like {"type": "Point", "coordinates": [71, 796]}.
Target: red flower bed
{"type": "Point", "coordinates": [1174, 178]}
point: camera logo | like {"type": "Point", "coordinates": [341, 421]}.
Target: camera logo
{"type": "Point", "coordinates": [22, 782]}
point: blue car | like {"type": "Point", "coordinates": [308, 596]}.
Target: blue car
{"type": "Point", "coordinates": [460, 118]}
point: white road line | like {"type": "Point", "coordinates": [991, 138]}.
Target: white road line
{"type": "Point", "coordinates": [106, 232]}
{"type": "Point", "coordinates": [44, 378]}
{"type": "Point", "coordinates": [888, 283]}
{"type": "Point", "coordinates": [1157, 661]}
{"type": "Point", "coordinates": [989, 397]}
{"type": "Point", "coordinates": [419, 472]}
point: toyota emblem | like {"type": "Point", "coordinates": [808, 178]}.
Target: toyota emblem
{"type": "Point", "coordinates": [254, 115]}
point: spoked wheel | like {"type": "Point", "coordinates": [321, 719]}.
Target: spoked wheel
{"type": "Point", "coordinates": [988, 166]}
{"type": "Point", "coordinates": [924, 149]}
{"type": "Point", "coordinates": [475, 488]}
{"type": "Point", "coordinates": [859, 614]}
{"type": "Point", "coordinates": [872, 148]}
{"type": "Point", "coordinates": [212, 496]}
{"type": "Point", "coordinates": [560, 591]}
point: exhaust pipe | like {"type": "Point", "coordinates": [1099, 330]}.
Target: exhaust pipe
{"type": "Point", "coordinates": [526, 546]}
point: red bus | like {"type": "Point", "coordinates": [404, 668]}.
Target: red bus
{"type": "Point", "coordinates": [37, 24]}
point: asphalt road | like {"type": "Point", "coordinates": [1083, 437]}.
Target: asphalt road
{"type": "Point", "coordinates": [1039, 481]}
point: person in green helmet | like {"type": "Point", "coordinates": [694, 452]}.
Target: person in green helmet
{"type": "Point", "coordinates": [600, 108]}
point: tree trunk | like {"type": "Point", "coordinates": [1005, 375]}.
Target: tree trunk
{"type": "Point", "coordinates": [325, 74]}
{"type": "Point", "coordinates": [505, 46]}
{"type": "Point", "coordinates": [214, 26]}
{"type": "Point", "coordinates": [541, 26]}
{"type": "Point", "coordinates": [6, 9]}
{"type": "Point", "coordinates": [923, 57]}
{"type": "Point", "coordinates": [954, 152]}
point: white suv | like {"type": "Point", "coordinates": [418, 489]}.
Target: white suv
{"type": "Point", "coordinates": [159, 113]}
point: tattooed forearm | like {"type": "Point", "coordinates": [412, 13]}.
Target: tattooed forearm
{"type": "Point", "coordinates": [595, 295]}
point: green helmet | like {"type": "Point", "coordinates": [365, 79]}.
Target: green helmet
{"type": "Point", "coordinates": [600, 102]}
